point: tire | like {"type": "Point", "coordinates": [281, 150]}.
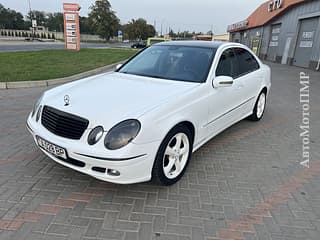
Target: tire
{"type": "Point", "coordinates": [259, 107]}
{"type": "Point", "coordinates": [171, 162]}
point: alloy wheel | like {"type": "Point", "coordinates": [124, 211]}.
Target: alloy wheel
{"type": "Point", "coordinates": [261, 105]}
{"type": "Point", "coordinates": [176, 155]}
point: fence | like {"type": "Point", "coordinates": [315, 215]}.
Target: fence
{"type": "Point", "coordinates": [43, 35]}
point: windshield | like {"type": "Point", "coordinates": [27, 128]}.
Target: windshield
{"type": "Point", "coordinates": [181, 63]}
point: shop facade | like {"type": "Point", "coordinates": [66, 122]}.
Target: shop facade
{"type": "Point", "coordinates": [283, 31]}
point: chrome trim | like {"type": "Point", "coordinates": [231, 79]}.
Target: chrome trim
{"type": "Point", "coordinates": [111, 159]}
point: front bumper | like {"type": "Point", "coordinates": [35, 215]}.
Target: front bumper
{"type": "Point", "coordinates": [134, 163]}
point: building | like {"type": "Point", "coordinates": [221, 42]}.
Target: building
{"type": "Point", "coordinates": [284, 31]}
{"type": "Point", "coordinates": [221, 37]}
{"type": "Point", "coordinates": [203, 37]}
{"type": "Point", "coordinates": [208, 37]}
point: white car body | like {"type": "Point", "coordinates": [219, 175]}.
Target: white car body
{"type": "Point", "coordinates": [107, 99]}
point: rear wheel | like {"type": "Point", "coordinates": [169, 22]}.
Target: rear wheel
{"type": "Point", "coordinates": [259, 107]}
{"type": "Point", "coordinates": [173, 156]}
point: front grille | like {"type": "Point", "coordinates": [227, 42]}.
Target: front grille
{"type": "Point", "coordinates": [63, 124]}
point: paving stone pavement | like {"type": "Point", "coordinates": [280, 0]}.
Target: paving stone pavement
{"type": "Point", "coordinates": [244, 184]}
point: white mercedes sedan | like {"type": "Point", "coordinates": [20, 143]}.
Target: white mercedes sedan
{"type": "Point", "coordinates": [145, 120]}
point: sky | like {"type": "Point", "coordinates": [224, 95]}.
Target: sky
{"type": "Point", "coordinates": [179, 15]}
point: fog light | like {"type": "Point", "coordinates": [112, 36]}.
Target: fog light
{"type": "Point", "coordinates": [113, 172]}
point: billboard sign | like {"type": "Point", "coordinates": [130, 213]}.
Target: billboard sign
{"type": "Point", "coordinates": [71, 26]}
{"type": "Point", "coordinates": [238, 26]}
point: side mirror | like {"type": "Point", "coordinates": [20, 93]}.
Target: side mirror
{"type": "Point", "coordinates": [119, 66]}
{"type": "Point", "coordinates": [222, 81]}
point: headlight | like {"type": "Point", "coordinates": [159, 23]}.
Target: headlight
{"type": "Point", "coordinates": [122, 134]}
{"type": "Point", "coordinates": [95, 135]}
{"type": "Point", "coordinates": [36, 106]}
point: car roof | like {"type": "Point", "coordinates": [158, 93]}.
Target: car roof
{"type": "Point", "coordinates": [194, 43]}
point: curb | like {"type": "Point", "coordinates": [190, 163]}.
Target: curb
{"type": "Point", "coordinates": [46, 83]}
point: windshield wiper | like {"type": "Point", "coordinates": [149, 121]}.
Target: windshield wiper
{"type": "Point", "coordinates": [143, 75]}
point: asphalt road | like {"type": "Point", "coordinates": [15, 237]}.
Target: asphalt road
{"type": "Point", "coordinates": [245, 184]}
{"type": "Point", "coordinates": [19, 46]}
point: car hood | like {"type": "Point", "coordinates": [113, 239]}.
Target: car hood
{"type": "Point", "coordinates": [110, 98]}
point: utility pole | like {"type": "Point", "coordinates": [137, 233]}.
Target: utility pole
{"type": "Point", "coordinates": [31, 19]}
{"type": "Point", "coordinates": [162, 26]}
{"type": "Point", "coordinates": [212, 33]}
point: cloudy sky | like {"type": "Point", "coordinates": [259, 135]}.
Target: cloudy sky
{"type": "Point", "coordinates": [199, 15]}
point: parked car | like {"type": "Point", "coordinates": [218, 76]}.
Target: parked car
{"type": "Point", "coordinates": [141, 44]}
{"type": "Point", "coordinates": [145, 120]}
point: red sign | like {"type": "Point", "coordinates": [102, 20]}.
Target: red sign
{"type": "Point", "coordinates": [71, 26]}
{"type": "Point", "coordinates": [71, 7]}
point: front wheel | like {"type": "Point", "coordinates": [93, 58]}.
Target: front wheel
{"type": "Point", "coordinates": [259, 107]}
{"type": "Point", "coordinates": [173, 156]}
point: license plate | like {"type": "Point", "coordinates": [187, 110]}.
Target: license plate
{"type": "Point", "coordinates": [52, 148]}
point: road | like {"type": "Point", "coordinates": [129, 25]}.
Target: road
{"type": "Point", "coordinates": [245, 184]}
{"type": "Point", "coordinates": [18, 46]}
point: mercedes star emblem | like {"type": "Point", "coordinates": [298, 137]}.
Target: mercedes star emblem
{"type": "Point", "coordinates": [66, 100]}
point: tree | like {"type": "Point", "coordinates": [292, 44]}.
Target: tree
{"type": "Point", "coordinates": [39, 16]}
{"type": "Point", "coordinates": [172, 34]}
{"type": "Point", "coordinates": [54, 21]}
{"type": "Point", "coordinates": [103, 19]}
{"type": "Point", "coordinates": [10, 19]}
{"type": "Point", "coordinates": [138, 29]}
{"type": "Point", "coordinates": [85, 26]}
{"type": "Point", "coordinates": [210, 32]}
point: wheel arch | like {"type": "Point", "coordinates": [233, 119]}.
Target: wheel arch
{"type": "Point", "coordinates": [190, 126]}
{"type": "Point", "coordinates": [265, 90]}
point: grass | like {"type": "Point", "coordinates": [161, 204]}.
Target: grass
{"type": "Point", "coordinates": [50, 64]}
